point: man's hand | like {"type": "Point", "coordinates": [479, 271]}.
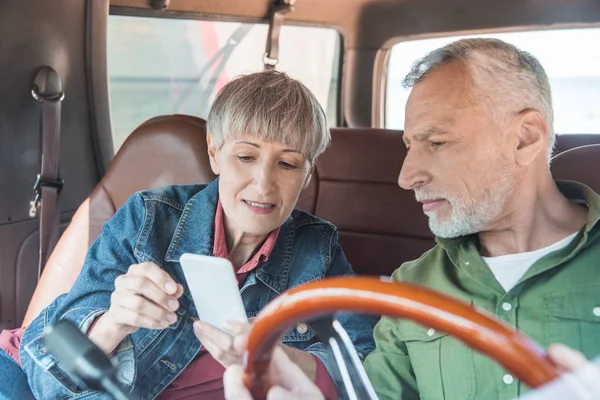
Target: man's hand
{"type": "Point", "coordinates": [145, 297]}
{"type": "Point", "coordinates": [581, 382]}
{"type": "Point", "coordinates": [566, 357]}
{"type": "Point", "coordinates": [288, 380]}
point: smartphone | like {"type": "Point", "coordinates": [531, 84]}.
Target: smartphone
{"type": "Point", "coordinates": [214, 289]}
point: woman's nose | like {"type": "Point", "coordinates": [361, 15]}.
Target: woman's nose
{"type": "Point", "coordinates": [264, 179]}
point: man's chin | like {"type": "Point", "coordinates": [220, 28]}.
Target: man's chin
{"type": "Point", "coordinates": [448, 230]}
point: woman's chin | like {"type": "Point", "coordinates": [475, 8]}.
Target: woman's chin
{"type": "Point", "coordinates": [259, 225]}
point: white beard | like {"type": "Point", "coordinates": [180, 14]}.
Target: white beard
{"type": "Point", "coordinates": [472, 215]}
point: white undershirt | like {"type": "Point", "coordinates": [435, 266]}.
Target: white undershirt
{"type": "Point", "coordinates": [510, 268]}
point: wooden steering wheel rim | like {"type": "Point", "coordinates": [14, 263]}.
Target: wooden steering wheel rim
{"type": "Point", "coordinates": [518, 354]}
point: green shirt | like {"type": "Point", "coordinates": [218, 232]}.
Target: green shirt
{"type": "Point", "coordinates": [556, 301]}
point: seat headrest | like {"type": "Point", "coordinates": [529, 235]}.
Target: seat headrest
{"type": "Point", "coordinates": [165, 150]}
{"type": "Point", "coordinates": [579, 164]}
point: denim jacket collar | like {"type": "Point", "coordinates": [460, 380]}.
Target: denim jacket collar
{"type": "Point", "coordinates": [195, 234]}
{"type": "Point", "coordinates": [195, 230]}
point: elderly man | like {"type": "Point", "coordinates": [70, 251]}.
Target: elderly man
{"type": "Point", "coordinates": [510, 240]}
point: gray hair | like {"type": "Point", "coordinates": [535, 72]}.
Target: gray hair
{"type": "Point", "coordinates": [273, 107]}
{"type": "Point", "coordinates": [506, 79]}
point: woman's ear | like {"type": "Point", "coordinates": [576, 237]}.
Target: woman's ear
{"type": "Point", "coordinates": [213, 151]}
{"type": "Point", "coordinates": [308, 177]}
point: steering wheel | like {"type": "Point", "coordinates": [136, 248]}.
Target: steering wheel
{"type": "Point", "coordinates": [318, 301]}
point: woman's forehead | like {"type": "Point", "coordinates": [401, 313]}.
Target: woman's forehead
{"type": "Point", "coordinates": [263, 141]}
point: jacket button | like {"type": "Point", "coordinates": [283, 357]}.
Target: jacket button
{"type": "Point", "coordinates": [41, 350]}
{"type": "Point", "coordinates": [302, 328]}
{"type": "Point", "coordinates": [169, 364]}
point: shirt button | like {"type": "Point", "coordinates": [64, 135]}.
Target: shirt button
{"type": "Point", "coordinates": [431, 332]}
{"type": "Point", "coordinates": [596, 311]}
{"type": "Point", "coordinates": [302, 328]}
{"type": "Point", "coordinates": [506, 306]}
{"type": "Point", "coordinates": [508, 379]}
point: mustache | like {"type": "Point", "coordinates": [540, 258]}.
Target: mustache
{"type": "Point", "coordinates": [427, 195]}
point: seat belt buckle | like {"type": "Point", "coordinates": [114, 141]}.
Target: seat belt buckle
{"type": "Point", "coordinates": [34, 205]}
{"type": "Point", "coordinates": [40, 182]}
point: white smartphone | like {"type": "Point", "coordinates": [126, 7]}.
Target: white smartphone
{"type": "Point", "coordinates": [214, 289]}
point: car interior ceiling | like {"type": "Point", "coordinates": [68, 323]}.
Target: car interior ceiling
{"type": "Point", "coordinates": [355, 185]}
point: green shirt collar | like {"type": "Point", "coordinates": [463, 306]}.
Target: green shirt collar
{"type": "Point", "coordinates": [464, 251]}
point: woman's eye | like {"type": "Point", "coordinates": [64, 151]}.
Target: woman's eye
{"type": "Point", "coordinates": [437, 145]}
{"type": "Point", "coordinates": [245, 158]}
{"type": "Point", "coordinates": [287, 165]}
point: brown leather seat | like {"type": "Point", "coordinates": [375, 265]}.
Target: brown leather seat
{"type": "Point", "coordinates": [163, 151]}
{"type": "Point", "coordinates": [355, 187]}
{"type": "Point", "coordinates": [565, 142]}
{"type": "Point", "coordinates": [579, 164]}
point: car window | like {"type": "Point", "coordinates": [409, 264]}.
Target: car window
{"type": "Point", "coordinates": [160, 66]}
{"type": "Point", "coordinates": [571, 58]}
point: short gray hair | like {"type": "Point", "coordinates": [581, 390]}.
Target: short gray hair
{"type": "Point", "coordinates": [272, 107]}
{"type": "Point", "coordinates": [506, 79]}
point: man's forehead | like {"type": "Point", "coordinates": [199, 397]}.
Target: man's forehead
{"type": "Point", "coordinates": [448, 85]}
{"type": "Point", "coordinates": [429, 118]}
{"type": "Point", "coordinates": [437, 110]}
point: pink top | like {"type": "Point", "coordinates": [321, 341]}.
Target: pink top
{"type": "Point", "coordinates": [203, 377]}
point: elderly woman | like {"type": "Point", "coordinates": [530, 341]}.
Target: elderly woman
{"type": "Point", "coordinates": [265, 131]}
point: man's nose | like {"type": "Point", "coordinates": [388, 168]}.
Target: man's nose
{"type": "Point", "coordinates": [413, 173]}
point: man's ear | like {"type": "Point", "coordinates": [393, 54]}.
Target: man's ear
{"type": "Point", "coordinates": [309, 177]}
{"type": "Point", "coordinates": [532, 136]}
{"type": "Point", "coordinates": [212, 153]}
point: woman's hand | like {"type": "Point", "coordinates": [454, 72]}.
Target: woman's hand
{"type": "Point", "coordinates": [220, 344]}
{"type": "Point", "coordinates": [288, 380]}
{"type": "Point", "coordinates": [145, 297]}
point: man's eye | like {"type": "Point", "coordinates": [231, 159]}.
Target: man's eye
{"type": "Point", "coordinates": [437, 145]}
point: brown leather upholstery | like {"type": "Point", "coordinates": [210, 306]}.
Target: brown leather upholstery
{"type": "Point", "coordinates": [163, 151]}
{"type": "Point", "coordinates": [579, 164]}
{"type": "Point", "coordinates": [566, 142]}
{"type": "Point", "coordinates": [355, 187]}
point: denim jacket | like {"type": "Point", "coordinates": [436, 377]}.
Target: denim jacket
{"type": "Point", "coordinates": [159, 226]}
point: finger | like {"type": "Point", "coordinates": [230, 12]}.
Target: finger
{"type": "Point", "coordinates": [123, 316]}
{"type": "Point", "coordinates": [564, 356]}
{"type": "Point", "coordinates": [237, 327]}
{"type": "Point", "coordinates": [179, 291]}
{"type": "Point", "coordinates": [143, 307]}
{"type": "Point", "coordinates": [279, 393]}
{"type": "Point", "coordinates": [289, 375]}
{"type": "Point", "coordinates": [156, 274]}
{"type": "Point", "coordinates": [217, 336]}
{"type": "Point", "coordinates": [233, 383]}
{"type": "Point", "coordinates": [142, 285]}
{"type": "Point", "coordinates": [240, 343]}
{"type": "Point", "coordinates": [223, 356]}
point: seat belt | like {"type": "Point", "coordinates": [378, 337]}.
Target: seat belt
{"type": "Point", "coordinates": [47, 89]}
{"type": "Point", "coordinates": [276, 18]}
